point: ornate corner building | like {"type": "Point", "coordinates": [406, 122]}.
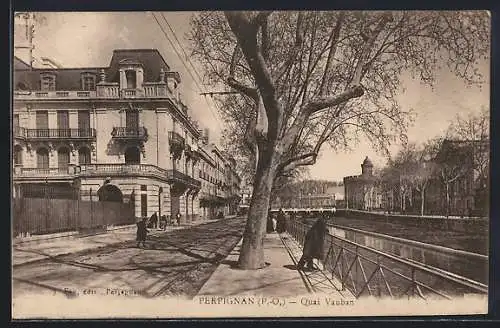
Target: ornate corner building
{"type": "Point", "coordinates": [121, 128]}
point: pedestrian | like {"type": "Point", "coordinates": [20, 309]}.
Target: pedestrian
{"type": "Point", "coordinates": [334, 210]}
{"type": "Point", "coordinates": [142, 232]}
{"type": "Point", "coordinates": [269, 223]}
{"type": "Point", "coordinates": [153, 221]}
{"type": "Point", "coordinates": [163, 222]}
{"type": "Point", "coordinates": [178, 217]}
{"type": "Point", "coordinates": [281, 221]}
{"type": "Point", "coordinates": [274, 223]}
{"type": "Point", "coordinates": [313, 245]}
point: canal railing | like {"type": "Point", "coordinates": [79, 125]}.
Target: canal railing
{"type": "Point", "coordinates": [366, 271]}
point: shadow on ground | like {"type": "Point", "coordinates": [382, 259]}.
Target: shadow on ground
{"type": "Point", "coordinates": [173, 263]}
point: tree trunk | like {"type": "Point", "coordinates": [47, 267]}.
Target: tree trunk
{"type": "Point", "coordinates": [422, 202]}
{"type": "Point", "coordinates": [252, 249]}
{"type": "Point", "coordinates": [447, 199]}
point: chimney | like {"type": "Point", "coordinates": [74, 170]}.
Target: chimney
{"type": "Point", "coordinates": [102, 75]}
{"type": "Point", "coordinates": [206, 135]}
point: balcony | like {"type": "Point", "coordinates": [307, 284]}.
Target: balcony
{"type": "Point", "coordinates": [175, 138]}
{"type": "Point", "coordinates": [54, 95]}
{"type": "Point", "coordinates": [45, 134]}
{"type": "Point", "coordinates": [46, 174]}
{"type": "Point", "coordinates": [19, 132]}
{"type": "Point", "coordinates": [125, 133]}
{"type": "Point", "coordinates": [180, 177]}
{"type": "Point", "coordinates": [143, 170]}
{"type": "Point", "coordinates": [103, 90]}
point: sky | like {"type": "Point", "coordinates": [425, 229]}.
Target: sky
{"type": "Point", "coordinates": [88, 39]}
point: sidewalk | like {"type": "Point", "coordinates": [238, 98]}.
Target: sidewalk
{"type": "Point", "coordinates": [28, 252]}
{"type": "Point", "coordinates": [275, 280]}
{"type": "Point", "coordinates": [280, 279]}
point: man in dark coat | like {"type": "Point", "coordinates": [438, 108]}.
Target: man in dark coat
{"type": "Point", "coordinates": [142, 232]}
{"type": "Point", "coordinates": [269, 224]}
{"type": "Point", "coordinates": [178, 217]}
{"type": "Point", "coordinates": [153, 220]}
{"type": "Point", "coordinates": [313, 246]}
{"type": "Point", "coordinates": [281, 221]}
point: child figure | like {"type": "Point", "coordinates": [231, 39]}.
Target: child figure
{"type": "Point", "coordinates": [142, 232]}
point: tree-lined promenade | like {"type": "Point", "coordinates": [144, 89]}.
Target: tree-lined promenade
{"type": "Point", "coordinates": [307, 79]}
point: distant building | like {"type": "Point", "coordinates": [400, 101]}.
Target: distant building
{"type": "Point", "coordinates": [468, 186]}
{"type": "Point", "coordinates": [362, 191]}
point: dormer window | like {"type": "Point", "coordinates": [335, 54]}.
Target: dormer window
{"type": "Point", "coordinates": [48, 82]}
{"type": "Point", "coordinates": [88, 81]}
{"type": "Point", "coordinates": [131, 79]}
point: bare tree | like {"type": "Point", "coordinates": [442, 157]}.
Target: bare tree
{"type": "Point", "coordinates": [310, 78]}
{"type": "Point", "coordinates": [473, 129]}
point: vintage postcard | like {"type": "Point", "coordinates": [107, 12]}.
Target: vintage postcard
{"type": "Point", "coordinates": [250, 164]}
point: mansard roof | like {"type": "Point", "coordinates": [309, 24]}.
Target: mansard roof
{"type": "Point", "coordinates": [69, 79]}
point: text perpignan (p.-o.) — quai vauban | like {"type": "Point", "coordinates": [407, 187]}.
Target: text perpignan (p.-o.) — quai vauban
{"type": "Point", "coordinates": [273, 301]}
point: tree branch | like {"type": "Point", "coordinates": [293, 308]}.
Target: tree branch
{"type": "Point", "coordinates": [331, 54]}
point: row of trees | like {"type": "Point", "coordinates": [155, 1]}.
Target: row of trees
{"type": "Point", "coordinates": [306, 79]}
{"type": "Point", "coordinates": [461, 154]}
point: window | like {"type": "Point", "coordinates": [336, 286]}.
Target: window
{"type": "Point", "coordinates": [63, 158]}
{"type": "Point", "coordinates": [132, 156]}
{"type": "Point", "coordinates": [144, 205]}
{"type": "Point", "coordinates": [132, 119]}
{"type": "Point", "coordinates": [42, 158]}
{"type": "Point", "coordinates": [144, 187]}
{"type": "Point", "coordinates": [42, 119]}
{"type": "Point", "coordinates": [131, 79]}
{"type": "Point", "coordinates": [18, 155]}
{"type": "Point", "coordinates": [48, 82]}
{"type": "Point", "coordinates": [16, 121]}
{"type": "Point", "coordinates": [63, 123]}
{"type": "Point", "coordinates": [88, 82]}
{"type": "Point", "coordinates": [84, 123]}
{"type": "Point", "coordinates": [84, 155]}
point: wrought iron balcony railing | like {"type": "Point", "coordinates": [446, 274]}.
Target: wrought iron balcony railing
{"type": "Point", "coordinates": [102, 90]}
{"type": "Point", "coordinates": [146, 170]}
{"type": "Point", "coordinates": [54, 133]}
{"type": "Point", "coordinates": [52, 172]}
{"type": "Point", "coordinates": [176, 138]}
{"type": "Point", "coordinates": [129, 133]}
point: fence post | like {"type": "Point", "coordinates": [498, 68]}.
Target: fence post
{"type": "Point", "coordinates": [91, 210]}
{"type": "Point", "coordinates": [47, 206]}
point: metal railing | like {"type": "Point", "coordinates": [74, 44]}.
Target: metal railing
{"type": "Point", "coordinates": [87, 133]}
{"type": "Point", "coordinates": [129, 133]}
{"type": "Point", "coordinates": [136, 169]}
{"type": "Point", "coordinates": [104, 90]}
{"type": "Point", "coordinates": [68, 171]}
{"type": "Point", "coordinates": [175, 137]}
{"type": "Point", "coordinates": [365, 271]}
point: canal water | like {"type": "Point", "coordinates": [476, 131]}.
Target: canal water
{"type": "Point", "coordinates": [466, 264]}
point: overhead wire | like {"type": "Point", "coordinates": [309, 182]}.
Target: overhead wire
{"type": "Point", "coordinates": [184, 63]}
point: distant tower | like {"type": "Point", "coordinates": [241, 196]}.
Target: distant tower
{"type": "Point", "coordinates": [367, 167]}
{"type": "Point", "coordinates": [24, 28]}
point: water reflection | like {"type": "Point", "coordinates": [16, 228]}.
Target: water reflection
{"type": "Point", "coordinates": [471, 267]}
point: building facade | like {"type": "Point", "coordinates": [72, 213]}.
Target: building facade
{"type": "Point", "coordinates": [119, 132]}
{"type": "Point", "coordinates": [361, 191]}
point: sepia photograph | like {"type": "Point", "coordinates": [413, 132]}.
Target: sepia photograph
{"type": "Point", "coordinates": [250, 164]}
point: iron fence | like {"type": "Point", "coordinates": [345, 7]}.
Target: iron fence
{"type": "Point", "coordinates": [365, 271]}
{"type": "Point", "coordinates": [38, 216]}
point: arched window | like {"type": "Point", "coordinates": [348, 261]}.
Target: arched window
{"type": "Point", "coordinates": [132, 156]}
{"type": "Point", "coordinates": [63, 157]}
{"type": "Point", "coordinates": [18, 155]}
{"type": "Point", "coordinates": [84, 155]}
{"type": "Point", "coordinates": [42, 158]}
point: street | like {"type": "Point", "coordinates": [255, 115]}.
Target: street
{"type": "Point", "coordinates": [175, 263]}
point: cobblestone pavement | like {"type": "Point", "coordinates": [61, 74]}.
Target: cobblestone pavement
{"type": "Point", "coordinates": [173, 263]}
